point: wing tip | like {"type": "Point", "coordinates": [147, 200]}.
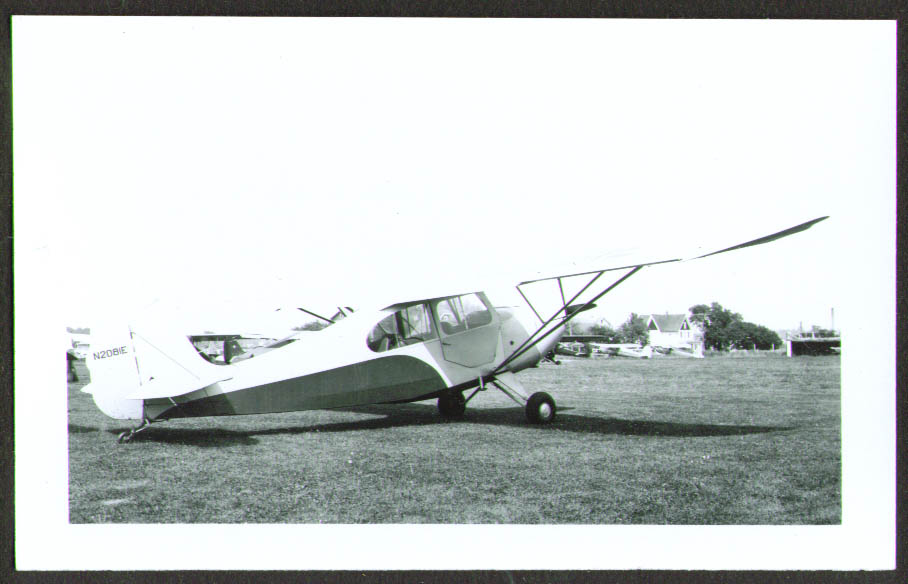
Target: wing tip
{"type": "Point", "coordinates": [767, 238]}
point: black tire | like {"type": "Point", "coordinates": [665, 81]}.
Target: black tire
{"type": "Point", "coordinates": [540, 408]}
{"type": "Point", "coordinates": [452, 404]}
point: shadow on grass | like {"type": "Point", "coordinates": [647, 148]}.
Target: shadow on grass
{"type": "Point", "coordinates": [76, 429]}
{"type": "Point", "coordinates": [404, 415]}
{"type": "Point", "coordinates": [585, 424]}
{"type": "Point", "coordinates": [201, 437]}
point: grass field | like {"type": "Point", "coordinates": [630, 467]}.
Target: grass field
{"type": "Point", "coordinates": [723, 440]}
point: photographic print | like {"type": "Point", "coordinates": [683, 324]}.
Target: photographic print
{"type": "Point", "coordinates": [338, 293]}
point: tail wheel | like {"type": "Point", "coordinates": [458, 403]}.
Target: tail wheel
{"type": "Point", "coordinates": [540, 408]}
{"type": "Point", "coordinates": [452, 404]}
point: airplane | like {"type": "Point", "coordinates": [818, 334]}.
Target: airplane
{"type": "Point", "coordinates": [79, 345]}
{"type": "Point", "coordinates": [417, 348]}
{"type": "Point", "coordinates": [631, 350]}
{"type": "Point", "coordinates": [231, 347]}
{"type": "Point", "coordinates": [679, 351]}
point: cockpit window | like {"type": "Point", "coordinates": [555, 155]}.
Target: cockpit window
{"type": "Point", "coordinates": [450, 315]}
{"type": "Point", "coordinates": [461, 313]}
{"type": "Point", "coordinates": [477, 312]}
{"type": "Point", "coordinates": [405, 327]}
{"type": "Point", "coordinates": [383, 336]}
{"type": "Point", "coordinates": [415, 324]}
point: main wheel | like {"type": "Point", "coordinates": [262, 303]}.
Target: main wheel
{"type": "Point", "coordinates": [540, 408]}
{"type": "Point", "coordinates": [452, 404]}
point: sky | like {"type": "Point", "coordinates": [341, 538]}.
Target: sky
{"type": "Point", "coordinates": [232, 165]}
{"type": "Point", "coordinates": [213, 168]}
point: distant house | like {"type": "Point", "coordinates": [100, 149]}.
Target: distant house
{"type": "Point", "coordinates": [673, 330]}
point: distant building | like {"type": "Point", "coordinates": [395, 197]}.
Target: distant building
{"type": "Point", "coordinates": [813, 346]}
{"type": "Point", "coordinates": [673, 330]}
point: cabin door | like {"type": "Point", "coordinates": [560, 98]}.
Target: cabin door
{"type": "Point", "coordinates": [469, 328]}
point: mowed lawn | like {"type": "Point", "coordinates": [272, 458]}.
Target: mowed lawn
{"type": "Point", "coordinates": [725, 440]}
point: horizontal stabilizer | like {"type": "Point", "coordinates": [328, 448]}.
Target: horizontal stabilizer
{"type": "Point", "coordinates": [164, 388]}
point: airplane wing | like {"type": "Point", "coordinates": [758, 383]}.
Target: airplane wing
{"type": "Point", "coordinates": [443, 285]}
{"type": "Point", "coordinates": [633, 258]}
{"type": "Point", "coordinates": [767, 238]}
{"type": "Point", "coordinates": [630, 264]}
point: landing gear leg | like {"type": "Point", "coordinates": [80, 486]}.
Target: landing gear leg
{"type": "Point", "coordinates": [451, 404]}
{"type": "Point", "coordinates": [539, 407]}
{"type": "Point", "coordinates": [128, 434]}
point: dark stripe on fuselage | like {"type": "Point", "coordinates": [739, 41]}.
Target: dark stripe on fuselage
{"type": "Point", "coordinates": [386, 379]}
{"type": "Point", "coordinates": [472, 384]}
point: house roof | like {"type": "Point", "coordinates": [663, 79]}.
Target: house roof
{"type": "Point", "coordinates": [668, 323]}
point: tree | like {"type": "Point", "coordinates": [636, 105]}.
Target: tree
{"type": "Point", "coordinates": [714, 320]}
{"type": "Point", "coordinates": [634, 330]}
{"type": "Point", "coordinates": [610, 334]}
{"type": "Point", "coordinates": [747, 335]}
{"type": "Point", "coordinates": [724, 329]}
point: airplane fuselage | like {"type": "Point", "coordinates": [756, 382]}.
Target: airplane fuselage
{"type": "Point", "coordinates": [435, 347]}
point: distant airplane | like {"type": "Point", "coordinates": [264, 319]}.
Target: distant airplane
{"type": "Point", "coordinates": [79, 344]}
{"type": "Point", "coordinates": [433, 347]}
{"type": "Point", "coordinates": [624, 350]}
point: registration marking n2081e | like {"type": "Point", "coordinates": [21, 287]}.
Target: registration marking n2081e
{"type": "Point", "coordinates": [110, 353]}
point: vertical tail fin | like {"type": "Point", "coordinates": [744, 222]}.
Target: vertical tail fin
{"type": "Point", "coordinates": [128, 366]}
{"type": "Point", "coordinates": [114, 371]}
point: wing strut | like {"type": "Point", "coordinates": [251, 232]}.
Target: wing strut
{"type": "Point", "coordinates": [530, 304]}
{"type": "Point", "coordinates": [561, 289]}
{"type": "Point", "coordinates": [315, 315]}
{"type": "Point", "coordinates": [531, 342]}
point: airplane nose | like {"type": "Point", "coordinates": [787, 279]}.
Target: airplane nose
{"type": "Point", "coordinates": [518, 327]}
{"type": "Point", "coordinates": [551, 341]}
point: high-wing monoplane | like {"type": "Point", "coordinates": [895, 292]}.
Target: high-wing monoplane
{"type": "Point", "coordinates": [434, 347]}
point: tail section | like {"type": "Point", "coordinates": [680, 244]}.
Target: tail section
{"type": "Point", "coordinates": [129, 366]}
{"type": "Point", "coordinates": [113, 367]}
